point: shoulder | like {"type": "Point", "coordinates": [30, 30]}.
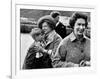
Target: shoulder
{"type": "Point", "coordinates": [57, 36]}
{"type": "Point", "coordinates": [88, 42]}
{"type": "Point", "coordinates": [60, 23]}
{"type": "Point", "coordinates": [65, 41]}
{"type": "Point", "coordinates": [87, 39]}
{"type": "Point", "coordinates": [32, 45]}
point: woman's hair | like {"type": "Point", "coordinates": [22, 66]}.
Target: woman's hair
{"type": "Point", "coordinates": [50, 21]}
{"type": "Point", "coordinates": [76, 16]}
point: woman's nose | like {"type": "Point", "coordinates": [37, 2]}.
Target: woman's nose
{"type": "Point", "coordinates": [43, 28]}
{"type": "Point", "coordinates": [81, 27]}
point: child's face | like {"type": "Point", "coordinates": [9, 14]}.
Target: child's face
{"type": "Point", "coordinates": [38, 37]}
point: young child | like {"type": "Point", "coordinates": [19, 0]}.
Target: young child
{"type": "Point", "coordinates": [36, 59]}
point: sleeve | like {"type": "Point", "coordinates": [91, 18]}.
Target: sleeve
{"type": "Point", "coordinates": [60, 56]}
{"type": "Point", "coordinates": [55, 46]}
{"type": "Point", "coordinates": [30, 53]}
{"type": "Point", "coordinates": [59, 59]}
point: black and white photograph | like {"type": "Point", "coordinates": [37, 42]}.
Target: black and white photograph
{"type": "Point", "coordinates": [50, 39]}
{"type": "Point", "coordinates": [54, 39]}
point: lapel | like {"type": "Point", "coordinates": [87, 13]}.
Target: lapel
{"type": "Point", "coordinates": [50, 38]}
{"type": "Point", "coordinates": [57, 23]}
{"type": "Point", "coordinates": [73, 37]}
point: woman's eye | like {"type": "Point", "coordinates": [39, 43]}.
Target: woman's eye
{"type": "Point", "coordinates": [79, 24]}
{"type": "Point", "coordinates": [83, 24]}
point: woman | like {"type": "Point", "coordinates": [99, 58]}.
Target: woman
{"type": "Point", "coordinates": [52, 39]}
{"type": "Point", "coordinates": [74, 50]}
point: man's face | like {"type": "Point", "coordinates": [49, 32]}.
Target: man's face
{"type": "Point", "coordinates": [79, 26]}
{"type": "Point", "coordinates": [57, 19]}
{"type": "Point", "coordinates": [46, 28]}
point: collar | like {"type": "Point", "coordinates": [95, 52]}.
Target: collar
{"type": "Point", "coordinates": [50, 37]}
{"type": "Point", "coordinates": [73, 37]}
{"type": "Point", "coordinates": [57, 23]}
{"type": "Point", "coordinates": [51, 34]}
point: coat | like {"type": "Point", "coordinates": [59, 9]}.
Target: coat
{"type": "Point", "coordinates": [52, 41]}
{"type": "Point", "coordinates": [61, 29]}
{"type": "Point", "coordinates": [31, 62]}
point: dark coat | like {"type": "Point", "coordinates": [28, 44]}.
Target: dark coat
{"type": "Point", "coordinates": [31, 62]}
{"type": "Point", "coordinates": [61, 30]}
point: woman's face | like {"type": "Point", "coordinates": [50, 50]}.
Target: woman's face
{"type": "Point", "coordinates": [57, 19]}
{"type": "Point", "coordinates": [79, 26]}
{"type": "Point", "coordinates": [46, 28]}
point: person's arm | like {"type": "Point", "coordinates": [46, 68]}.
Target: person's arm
{"type": "Point", "coordinates": [60, 58]}
{"type": "Point", "coordinates": [56, 43]}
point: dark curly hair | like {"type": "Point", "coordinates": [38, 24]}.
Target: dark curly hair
{"type": "Point", "coordinates": [76, 16]}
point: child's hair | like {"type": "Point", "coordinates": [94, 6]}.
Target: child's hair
{"type": "Point", "coordinates": [35, 32]}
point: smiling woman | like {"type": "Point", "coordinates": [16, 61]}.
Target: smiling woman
{"type": "Point", "coordinates": [79, 26]}
{"type": "Point", "coordinates": [52, 39]}
{"type": "Point", "coordinates": [75, 48]}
